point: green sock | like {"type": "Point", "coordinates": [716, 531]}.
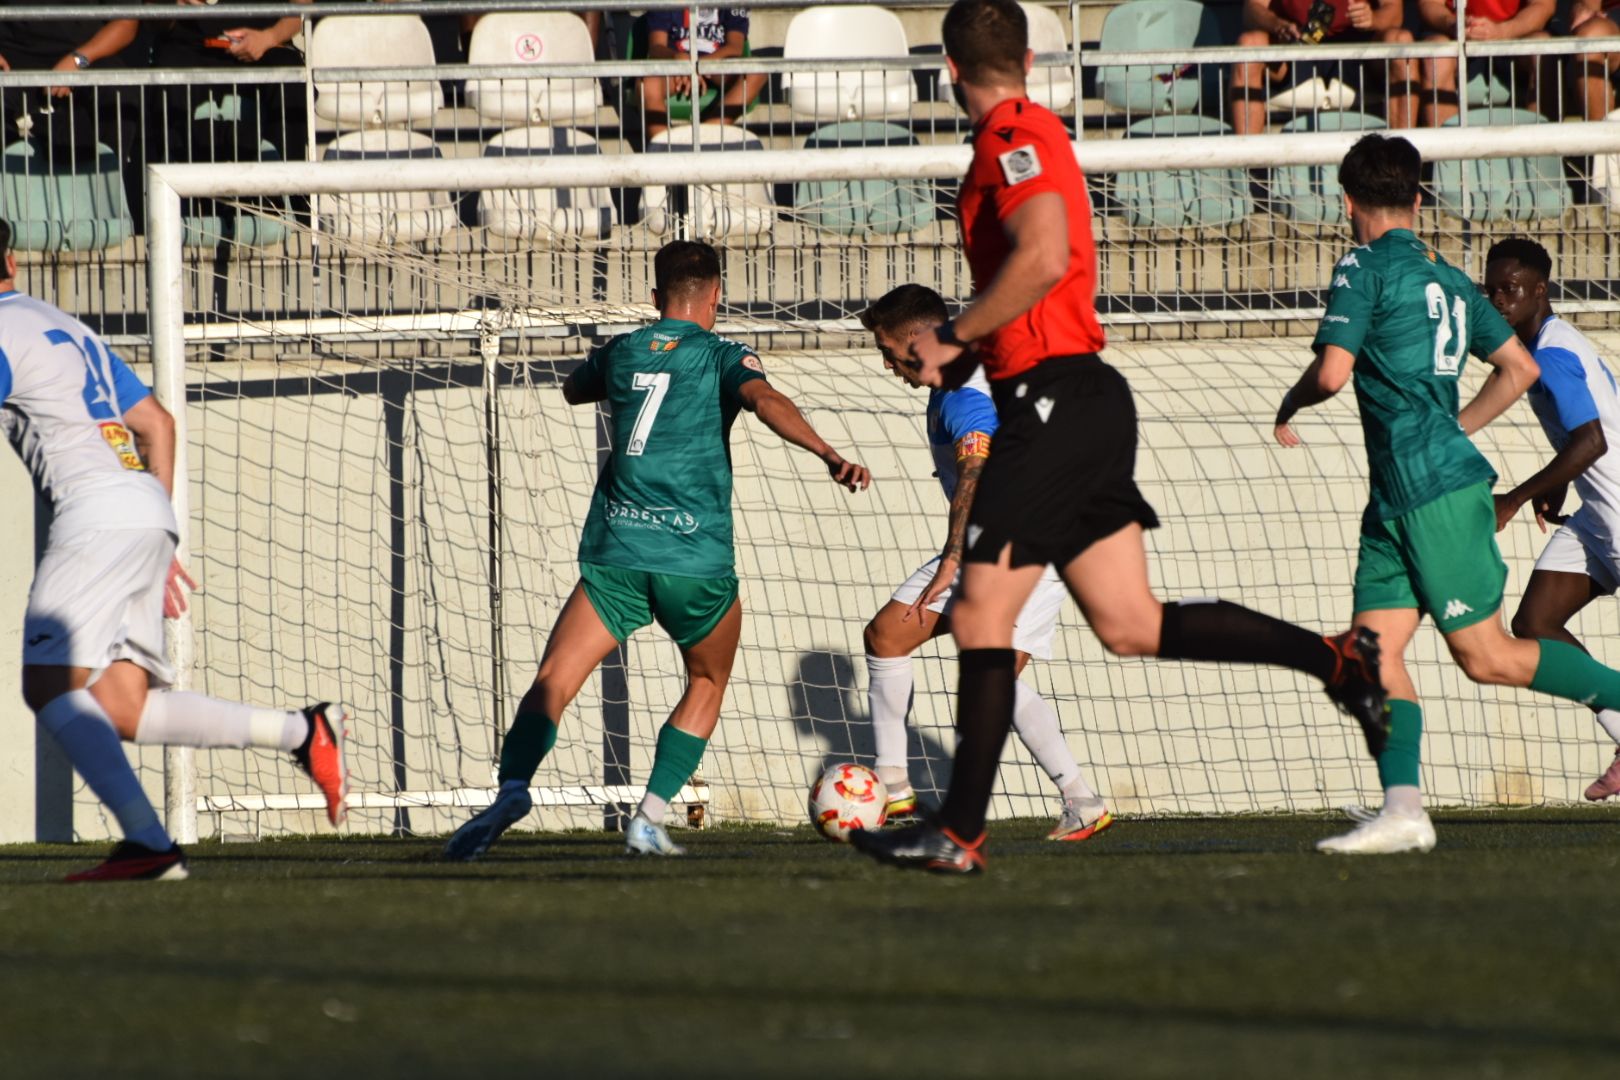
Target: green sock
{"type": "Point", "coordinates": [531, 738]}
{"type": "Point", "coordinates": [674, 762]}
{"type": "Point", "coordinates": [1567, 672]}
{"type": "Point", "coordinates": [1398, 764]}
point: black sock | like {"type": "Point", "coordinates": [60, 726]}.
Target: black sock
{"type": "Point", "coordinates": [984, 712]}
{"type": "Point", "coordinates": [1218, 630]}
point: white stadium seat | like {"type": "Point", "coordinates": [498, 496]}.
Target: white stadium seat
{"type": "Point", "coordinates": [1052, 87]}
{"type": "Point", "coordinates": [543, 214]}
{"type": "Point", "coordinates": [374, 41]}
{"type": "Point", "coordinates": [389, 217]}
{"type": "Point", "coordinates": [834, 32]}
{"type": "Point", "coordinates": [745, 209]}
{"type": "Point", "coordinates": [537, 38]}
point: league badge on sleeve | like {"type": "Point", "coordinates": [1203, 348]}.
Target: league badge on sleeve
{"type": "Point", "coordinates": [1020, 164]}
{"type": "Point", "coordinates": [751, 362]}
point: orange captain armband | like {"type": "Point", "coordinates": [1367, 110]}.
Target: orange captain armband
{"type": "Point", "coordinates": [973, 444]}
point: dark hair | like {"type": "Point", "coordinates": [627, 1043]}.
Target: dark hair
{"type": "Point", "coordinates": [1524, 251]}
{"type": "Point", "coordinates": [987, 39]}
{"type": "Point", "coordinates": [5, 240]}
{"type": "Point", "coordinates": [1381, 172]}
{"type": "Point", "coordinates": [900, 307]}
{"type": "Point", "coordinates": [681, 267]}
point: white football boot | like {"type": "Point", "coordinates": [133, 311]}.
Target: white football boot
{"type": "Point", "coordinates": [642, 837]}
{"type": "Point", "coordinates": [1385, 834]}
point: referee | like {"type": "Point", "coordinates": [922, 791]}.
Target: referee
{"type": "Point", "coordinates": [1059, 486]}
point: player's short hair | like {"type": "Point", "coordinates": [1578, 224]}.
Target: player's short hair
{"type": "Point", "coordinates": [1382, 172]}
{"type": "Point", "coordinates": [681, 267]}
{"type": "Point", "coordinates": [901, 307]}
{"type": "Point", "coordinates": [1524, 251]}
{"type": "Point", "coordinates": [987, 40]}
{"type": "Point", "coordinates": [5, 239]}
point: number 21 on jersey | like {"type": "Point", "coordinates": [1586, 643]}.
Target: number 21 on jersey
{"type": "Point", "coordinates": [1450, 330]}
{"type": "Point", "coordinates": [656, 384]}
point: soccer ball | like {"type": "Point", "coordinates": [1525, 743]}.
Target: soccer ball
{"type": "Point", "coordinates": [847, 797]}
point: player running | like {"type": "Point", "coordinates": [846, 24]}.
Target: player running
{"type": "Point", "coordinates": [101, 451]}
{"type": "Point", "coordinates": [657, 542]}
{"type": "Point", "coordinates": [1060, 488]}
{"type": "Point", "coordinates": [1405, 321]}
{"type": "Point", "coordinates": [1575, 401]}
{"type": "Point", "coordinates": [961, 423]}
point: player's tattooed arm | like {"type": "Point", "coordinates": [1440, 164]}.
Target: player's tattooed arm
{"type": "Point", "coordinates": [778, 413]}
{"type": "Point", "coordinates": [1546, 489]}
{"type": "Point", "coordinates": [970, 459]}
{"type": "Point", "coordinates": [1325, 377]}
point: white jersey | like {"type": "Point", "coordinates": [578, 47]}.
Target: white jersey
{"type": "Point", "coordinates": [954, 415]}
{"type": "Point", "coordinates": [62, 400]}
{"type": "Point", "coordinates": [1576, 388]}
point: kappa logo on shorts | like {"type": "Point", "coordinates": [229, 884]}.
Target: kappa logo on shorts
{"type": "Point", "coordinates": [1043, 408]}
{"type": "Point", "coordinates": [1455, 608]}
{"type": "Point", "coordinates": [1020, 165]}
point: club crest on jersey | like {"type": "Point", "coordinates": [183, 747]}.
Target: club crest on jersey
{"type": "Point", "coordinates": [118, 438]}
{"type": "Point", "coordinates": [1020, 165]}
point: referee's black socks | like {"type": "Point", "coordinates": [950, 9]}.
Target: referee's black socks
{"type": "Point", "coordinates": [984, 715]}
{"type": "Point", "coordinates": [1222, 631]}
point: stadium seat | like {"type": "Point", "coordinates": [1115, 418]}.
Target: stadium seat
{"type": "Point", "coordinates": [854, 207]}
{"type": "Point", "coordinates": [1311, 193]}
{"type": "Point", "coordinates": [1485, 88]}
{"type": "Point", "coordinates": [69, 210]}
{"type": "Point", "coordinates": [1182, 198]}
{"type": "Point", "coordinates": [1501, 189]}
{"type": "Point", "coordinates": [1139, 25]}
{"type": "Point", "coordinates": [357, 41]}
{"type": "Point", "coordinates": [1606, 173]}
{"type": "Point", "coordinates": [209, 229]}
{"type": "Point", "coordinates": [538, 38]}
{"type": "Point", "coordinates": [1049, 86]}
{"type": "Point", "coordinates": [390, 217]}
{"type": "Point", "coordinates": [542, 214]}
{"type": "Point", "coordinates": [722, 210]}
{"type": "Point", "coordinates": [821, 33]}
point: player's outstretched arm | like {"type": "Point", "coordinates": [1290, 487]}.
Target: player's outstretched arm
{"type": "Point", "coordinates": [779, 414]}
{"type": "Point", "coordinates": [1515, 371]}
{"type": "Point", "coordinates": [1325, 377]}
{"type": "Point", "coordinates": [1545, 490]}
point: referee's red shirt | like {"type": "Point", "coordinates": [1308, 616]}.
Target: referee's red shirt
{"type": "Point", "coordinates": [1019, 150]}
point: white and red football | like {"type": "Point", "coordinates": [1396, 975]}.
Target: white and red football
{"type": "Point", "coordinates": [847, 797]}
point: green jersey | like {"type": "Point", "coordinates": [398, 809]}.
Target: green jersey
{"type": "Point", "coordinates": [663, 499]}
{"type": "Point", "coordinates": [1410, 319]}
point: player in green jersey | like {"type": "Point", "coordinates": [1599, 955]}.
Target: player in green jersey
{"type": "Point", "coordinates": [657, 543]}
{"type": "Point", "coordinates": [1404, 321]}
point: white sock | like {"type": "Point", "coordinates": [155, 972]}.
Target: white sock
{"type": "Point", "coordinates": [80, 726]}
{"type": "Point", "coordinates": [889, 684]}
{"type": "Point", "coordinates": [1037, 725]}
{"type": "Point", "coordinates": [1609, 720]}
{"type": "Point", "coordinates": [653, 808]}
{"type": "Point", "coordinates": [1404, 799]}
{"type": "Point", "coordinates": [177, 718]}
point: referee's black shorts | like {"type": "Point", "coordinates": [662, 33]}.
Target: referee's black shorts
{"type": "Point", "coordinates": [1061, 473]}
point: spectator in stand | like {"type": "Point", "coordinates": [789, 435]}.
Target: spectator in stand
{"type": "Point", "coordinates": [1594, 92]}
{"type": "Point", "coordinates": [720, 33]}
{"type": "Point", "coordinates": [1293, 22]}
{"type": "Point", "coordinates": [1488, 20]}
{"type": "Point", "coordinates": [271, 112]}
{"type": "Point", "coordinates": [63, 126]}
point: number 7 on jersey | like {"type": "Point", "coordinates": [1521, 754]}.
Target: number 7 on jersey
{"type": "Point", "coordinates": [657, 385]}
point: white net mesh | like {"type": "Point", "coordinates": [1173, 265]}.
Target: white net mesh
{"type": "Point", "coordinates": [383, 514]}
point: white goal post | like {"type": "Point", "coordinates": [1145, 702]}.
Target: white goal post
{"type": "Point", "coordinates": [1317, 762]}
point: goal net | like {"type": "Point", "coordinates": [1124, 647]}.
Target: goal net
{"type": "Point", "coordinates": [386, 488]}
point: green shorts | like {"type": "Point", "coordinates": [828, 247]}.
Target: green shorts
{"type": "Point", "coordinates": [1440, 558]}
{"type": "Point", "coordinates": [686, 607]}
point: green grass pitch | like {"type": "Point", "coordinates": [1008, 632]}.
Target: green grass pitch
{"type": "Point", "coordinates": [1173, 948]}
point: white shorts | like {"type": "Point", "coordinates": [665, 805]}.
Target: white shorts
{"type": "Point", "coordinates": [1571, 551]}
{"type": "Point", "coordinates": [97, 598]}
{"type": "Point", "coordinates": [1037, 623]}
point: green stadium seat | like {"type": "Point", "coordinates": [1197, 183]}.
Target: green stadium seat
{"type": "Point", "coordinates": [1501, 189]}
{"type": "Point", "coordinates": [209, 229]}
{"type": "Point", "coordinates": [70, 210]}
{"type": "Point", "coordinates": [1311, 193]}
{"type": "Point", "coordinates": [1182, 198]}
{"type": "Point", "coordinates": [855, 207]}
{"type": "Point", "coordinates": [1154, 24]}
